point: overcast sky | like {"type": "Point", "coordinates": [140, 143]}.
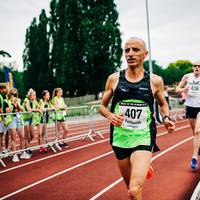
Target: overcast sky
{"type": "Point", "coordinates": [174, 26]}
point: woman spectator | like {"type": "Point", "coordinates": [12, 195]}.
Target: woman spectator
{"type": "Point", "coordinates": [61, 109]}
{"type": "Point", "coordinates": [47, 108]}
{"type": "Point", "coordinates": [14, 122]}
{"type": "Point", "coordinates": [31, 119]}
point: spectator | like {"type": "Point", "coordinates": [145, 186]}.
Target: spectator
{"type": "Point", "coordinates": [31, 119]}
{"type": "Point", "coordinates": [15, 123]}
{"type": "Point", "coordinates": [3, 96]}
{"type": "Point", "coordinates": [61, 109]}
{"type": "Point", "coordinates": [45, 106]}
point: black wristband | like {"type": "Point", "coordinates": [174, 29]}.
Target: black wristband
{"type": "Point", "coordinates": [165, 117]}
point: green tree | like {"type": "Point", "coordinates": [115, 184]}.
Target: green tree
{"type": "Point", "coordinates": [175, 71]}
{"type": "Point", "coordinates": [84, 44]}
{"type": "Point", "coordinates": [102, 41]}
{"type": "Point", "coordinates": [74, 67]}
{"type": "Point", "coordinates": [57, 35]}
{"type": "Point", "coordinates": [155, 67]}
{"type": "Point", "coordinates": [29, 56]}
{"type": "Point", "coordinates": [37, 72]}
{"type": "Point", "coordinates": [18, 76]}
{"type": "Point", "coordinates": [184, 66]}
{"type": "Point", "coordinates": [45, 78]}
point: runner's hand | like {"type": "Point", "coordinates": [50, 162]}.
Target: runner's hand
{"type": "Point", "coordinates": [169, 125]}
{"type": "Point", "coordinates": [117, 119]}
{"type": "Point", "coordinates": [186, 89]}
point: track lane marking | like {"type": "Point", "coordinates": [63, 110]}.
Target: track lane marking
{"type": "Point", "coordinates": [84, 163]}
{"type": "Point", "coordinates": [154, 158]}
{"type": "Point", "coordinates": [71, 150]}
{"type": "Point", "coordinates": [57, 174]}
{"type": "Point", "coordinates": [54, 155]}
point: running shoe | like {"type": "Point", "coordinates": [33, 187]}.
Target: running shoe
{"type": "Point", "coordinates": [194, 164]}
{"type": "Point", "coordinates": [30, 152]}
{"type": "Point", "coordinates": [5, 153]}
{"type": "Point", "coordinates": [43, 150]}
{"type": "Point", "coordinates": [63, 145]}
{"type": "Point", "coordinates": [15, 158]}
{"type": "Point", "coordinates": [150, 172]}
{"type": "Point", "coordinates": [25, 155]}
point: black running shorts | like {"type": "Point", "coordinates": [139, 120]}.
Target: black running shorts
{"type": "Point", "coordinates": [122, 153]}
{"type": "Point", "coordinates": [192, 112]}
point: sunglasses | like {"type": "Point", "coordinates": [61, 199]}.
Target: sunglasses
{"type": "Point", "coordinates": [196, 66]}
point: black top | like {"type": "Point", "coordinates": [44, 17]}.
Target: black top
{"type": "Point", "coordinates": [14, 108]}
{"type": "Point", "coordinates": [140, 90]}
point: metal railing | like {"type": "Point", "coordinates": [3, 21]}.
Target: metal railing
{"type": "Point", "coordinates": [92, 132]}
{"type": "Point", "coordinates": [74, 114]}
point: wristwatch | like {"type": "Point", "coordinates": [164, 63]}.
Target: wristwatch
{"type": "Point", "coordinates": [166, 117]}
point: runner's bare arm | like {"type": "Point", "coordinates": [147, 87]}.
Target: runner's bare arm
{"type": "Point", "coordinates": [181, 86]}
{"type": "Point", "coordinates": [111, 84]}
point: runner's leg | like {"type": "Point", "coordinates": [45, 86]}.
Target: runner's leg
{"type": "Point", "coordinates": [140, 163]}
{"type": "Point", "coordinates": [125, 169]}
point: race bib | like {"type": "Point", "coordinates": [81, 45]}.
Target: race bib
{"type": "Point", "coordinates": [135, 115]}
{"type": "Point", "coordinates": [194, 89]}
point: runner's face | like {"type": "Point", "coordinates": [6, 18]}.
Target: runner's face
{"type": "Point", "coordinates": [135, 52]}
{"type": "Point", "coordinates": [196, 69]}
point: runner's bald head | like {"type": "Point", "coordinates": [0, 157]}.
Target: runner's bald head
{"type": "Point", "coordinates": [137, 39]}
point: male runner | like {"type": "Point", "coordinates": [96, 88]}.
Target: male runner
{"type": "Point", "coordinates": [133, 129]}
{"type": "Point", "coordinates": [190, 85]}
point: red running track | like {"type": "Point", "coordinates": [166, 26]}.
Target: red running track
{"type": "Point", "coordinates": [89, 171]}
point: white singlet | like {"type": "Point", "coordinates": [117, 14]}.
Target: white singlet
{"type": "Point", "coordinates": [193, 96]}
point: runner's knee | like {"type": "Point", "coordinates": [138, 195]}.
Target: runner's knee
{"type": "Point", "coordinates": [135, 188]}
{"type": "Point", "coordinates": [197, 132]}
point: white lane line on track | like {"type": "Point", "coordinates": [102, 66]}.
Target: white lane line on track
{"type": "Point", "coordinates": [177, 129]}
{"type": "Point", "coordinates": [71, 150]}
{"type": "Point", "coordinates": [154, 158]}
{"type": "Point", "coordinates": [54, 155]}
{"type": "Point", "coordinates": [52, 136]}
{"type": "Point", "coordinates": [57, 174]}
{"type": "Point", "coordinates": [74, 167]}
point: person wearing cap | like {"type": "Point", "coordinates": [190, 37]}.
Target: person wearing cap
{"type": "Point", "coordinates": [190, 85]}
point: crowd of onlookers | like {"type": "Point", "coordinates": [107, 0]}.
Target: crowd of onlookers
{"type": "Point", "coordinates": [27, 119]}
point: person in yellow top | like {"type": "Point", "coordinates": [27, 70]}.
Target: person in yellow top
{"type": "Point", "coordinates": [61, 109]}
{"type": "Point", "coordinates": [3, 96]}
{"type": "Point", "coordinates": [31, 119]}
{"type": "Point", "coordinates": [47, 109]}
{"type": "Point", "coordinates": [14, 122]}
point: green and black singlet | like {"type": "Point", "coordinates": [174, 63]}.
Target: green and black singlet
{"type": "Point", "coordinates": [135, 101]}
